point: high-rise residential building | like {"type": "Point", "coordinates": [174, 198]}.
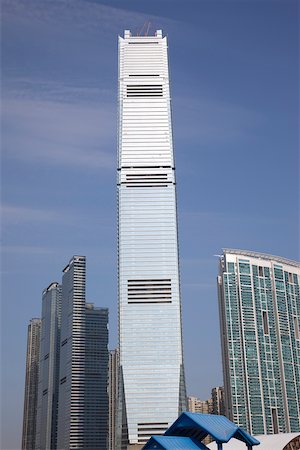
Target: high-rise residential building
{"type": "Point", "coordinates": [83, 397]}
{"type": "Point", "coordinates": [71, 417]}
{"type": "Point", "coordinates": [31, 385]}
{"type": "Point", "coordinates": [113, 374]}
{"type": "Point", "coordinates": [217, 395]}
{"type": "Point", "coordinates": [46, 431]}
{"type": "Point", "coordinates": [152, 385]}
{"type": "Point", "coordinates": [96, 374]}
{"type": "Point", "coordinates": [199, 406]}
{"type": "Point", "coordinates": [259, 302]}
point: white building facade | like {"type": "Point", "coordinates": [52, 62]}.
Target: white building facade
{"type": "Point", "coordinates": [259, 300]}
{"type": "Point", "coordinates": [152, 386]}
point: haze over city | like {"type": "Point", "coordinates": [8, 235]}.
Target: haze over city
{"type": "Point", "coordinates": [234, 87]}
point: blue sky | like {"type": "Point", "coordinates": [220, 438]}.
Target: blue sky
{"type": "Point", "coordinates": [234, 86]}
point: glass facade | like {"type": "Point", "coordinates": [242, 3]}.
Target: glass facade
{"type": "Point", "coordinates": [259, 303]}
{"type": "Point", "coordinates": [71, 418]}
{"type": "Point", "coordinates": [113, 373]}
{"type": "Point", "coordinates": [46, 434]}
{"type": "Point", "coordinates": [152, 387]}
{"type": "Point", "coordinates": [96, 372]}
{"type": "Point", "coordinates": [73, 398]}
{"type": "Point", "coordinates": [31, 385]}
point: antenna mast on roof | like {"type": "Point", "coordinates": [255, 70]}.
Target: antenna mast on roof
{"type": "Point", "coordinates": [141, 30]}
{"type": "Point", "coordinates": [146, 27]}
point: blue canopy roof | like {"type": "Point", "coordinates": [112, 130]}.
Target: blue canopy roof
{"type": "Point", "coordinates": [173, 442]}
{"type": "Point", "coordinates": [200, 425]}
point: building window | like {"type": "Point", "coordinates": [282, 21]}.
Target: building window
{"type": "Point", "coordinates": [274, 420]}
{"type": "Point", "coordinates": [296, 327]}
{"type": "Point", "coordinates": [265, 322]}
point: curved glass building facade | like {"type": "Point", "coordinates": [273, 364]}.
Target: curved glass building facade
{"type": "Point", "coordinates": [259, 300]}
{"type": "Point", "coordinates": [152, 386]}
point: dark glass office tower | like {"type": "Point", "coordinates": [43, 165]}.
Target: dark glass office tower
{"type": "Point", "coordinates": [113, 374]}
{"type": "Point", "coordinates": [96, 373]}
{"type": "Point", "coordinates": [46, 432]}
{"type": "Point", "coordinates": [71, 416]}
{"type": "Point", "coordinates": [31, 385]}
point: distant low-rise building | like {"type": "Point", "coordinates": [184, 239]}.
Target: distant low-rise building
{"type": "Point", "coordinates": [217, 395]}
{"type": "Point", "coordinates": [196, 405]}
{"type": "Point", "coordinates": [200, 406]}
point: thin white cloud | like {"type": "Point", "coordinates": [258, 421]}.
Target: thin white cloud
{"type": "Point", "coordinates": [27, 250]}
{"type": "Point", "coordinates": [18, 214]}
{"type": "Point", "coordinates": [42, 89]}
{"type": "Point", "coordinates": [84, 15]}
{"type": "Point", "coordinates": [59, 133]}
{"type": "Point", "coordinates": [211, 121]}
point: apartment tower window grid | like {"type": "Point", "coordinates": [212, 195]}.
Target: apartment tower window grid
{"type": "Point", "coordinates": [113, 374]}
{"type": "Point", "coordinates": [259, 302]}
{"type": "Point", "coordinates": [152, 386]}
{"type": "Point", "coordinates": [217, 395]}
{"type": "Point", "coordinates": [71, 408]}
{"type": "Point", "coordinates": [46, 432]}
{"type": "Point", "coordinates": [96, 372]}
{"type": "Point", "coordinates": [31, 384]}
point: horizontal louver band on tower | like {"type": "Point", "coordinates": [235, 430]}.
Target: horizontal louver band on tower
{"type": "Point", "coordinates": [143, 42]}
{"type": "Point", "coordinates": [144, 90]}
{"type": "Point", "coordinates": [146, 75]}
{"type": "Point", "coordinates": [147, 180]}
{"type": "Point", "coordinates": [146, 430]}
{"type": "Point", "coordinates": [149, 291]}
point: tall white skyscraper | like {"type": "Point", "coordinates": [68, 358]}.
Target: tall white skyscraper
{"type": "Point", "coordinates": [152, 386]}
{"type": "Point", "coordinates": [259, 300]}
